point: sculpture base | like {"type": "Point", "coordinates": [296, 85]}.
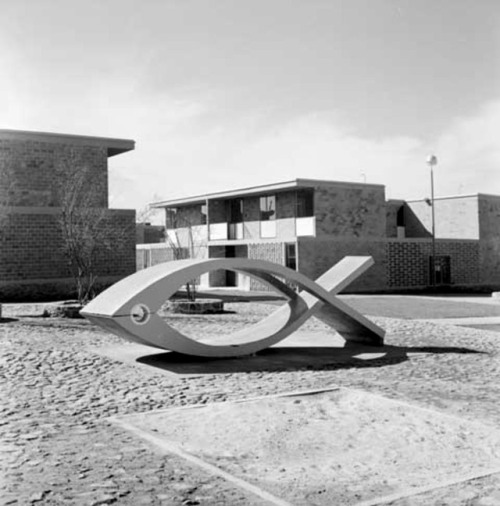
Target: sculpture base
{"type": "Point", "coordinates": [63, 310]}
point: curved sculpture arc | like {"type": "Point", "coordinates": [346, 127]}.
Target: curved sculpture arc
{"type": "Point", "coordinates": [130, 307]}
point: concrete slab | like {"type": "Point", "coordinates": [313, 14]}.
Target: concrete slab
{"type": "Point", "coordinates": [299, 351]}
{"type": "Point", "coordinates": [480, 320]}
{"type": "Point", "coordinates": [330, 447]}
{"type": "Point", "coordinates": [491, 323]}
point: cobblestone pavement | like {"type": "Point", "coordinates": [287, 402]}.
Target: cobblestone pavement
{"type": "Point", "coordinates": [57, 447]}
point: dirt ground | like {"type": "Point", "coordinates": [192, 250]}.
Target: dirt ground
{"type": "Point", "coordinates": [57, 445]}
{"type": "Point", "coordinates": [334, 447]}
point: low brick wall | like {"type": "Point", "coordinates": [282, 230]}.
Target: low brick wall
{"type": "Point", "coordinates": [31, 252]}
{"type": "Point", "coordinates": [408, 263]}
{"type": "Point", "coordinates": [316, 256]}
{"type": "Point", "coordinates": [148, 255]}
{"type": "Point", "coordinates": [44, 290]}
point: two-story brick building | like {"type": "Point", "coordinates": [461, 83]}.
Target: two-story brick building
{"type": "Point", "coordinates": [309, 225]}
{"type": "Point", "coordinates": [33, 169]}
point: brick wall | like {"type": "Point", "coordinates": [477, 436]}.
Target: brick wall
{"type": "Point", "coordinates": [39, 170]}
{"type": "Point", "coordinates": [31, 247]}
{"type": "Point", "coordinates": [217, 211]}
{"type": "Point", "coordinates": [146, 233]}
{"type": "Point", "coordinates": [286, 203]}
{"type": "Point", "coordinates": [408, 262]}
{"type": "Point", "coordinates": [398, 264]}
{"type": "Point", "coordinates": [489, 262]}
{"type": "Point", "coordinates": [350, 210]}
{"type": "Point", "coordinates": [489, 231]}
{"type": "Point", "coordinates": [316, 256]}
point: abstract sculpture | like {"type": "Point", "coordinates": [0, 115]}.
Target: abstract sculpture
{"type": "Point", "coordinates": [129, 308]}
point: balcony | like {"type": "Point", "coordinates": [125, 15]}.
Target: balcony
{"type": "Point", "coordinates": [225, 231]}
{"type": "Point", "coordinates": [285, 229]}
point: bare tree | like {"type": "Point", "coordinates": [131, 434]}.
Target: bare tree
{"type": "Point", "coordinates": [146, 214]}
{"type": "Point", "coordinates": [86, 231]}
{"type": "Point", "coordinates": [184, 243]}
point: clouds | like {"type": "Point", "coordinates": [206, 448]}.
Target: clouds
{"type": "Point", "coordinates": [190, 143]}
{"type": "Point", "coordinates": [470, 151]}
{"type": "Point", "coordinates": [204, 155]}
{"type": "Point", "coordinates": [241, 95]}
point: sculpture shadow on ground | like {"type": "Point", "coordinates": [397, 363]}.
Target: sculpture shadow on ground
{"type": "Point", "coordinates": [8, 320]}
{"type": "Point", "coordinates": [294, 358]}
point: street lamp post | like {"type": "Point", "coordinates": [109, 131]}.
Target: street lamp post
{"type": "Point", "coordinates": [432, 161]}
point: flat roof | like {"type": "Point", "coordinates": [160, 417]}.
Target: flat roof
{"type": "Point", "coordinates": [261, 189]}
{"type": "Point", "coordinates": [114, 146]}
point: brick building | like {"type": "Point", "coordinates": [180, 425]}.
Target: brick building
{"type": "Point", "coordinates": [33, 169]}
{"type": "Point", "coordinates": [309, 225]}
{"type": "Point", "coordinates": [145, 233]}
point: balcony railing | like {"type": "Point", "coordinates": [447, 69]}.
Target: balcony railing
{"type": "Point", "coordinates": [225, 231]}
{"type": "Point", "coordinates": [268, 229]}
{"type": "Point", "coordinates": [218, 231]}
{"type": "Point", "coordinates": [305, 226]}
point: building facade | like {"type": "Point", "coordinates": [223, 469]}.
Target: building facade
{"type": "Point", "coordinates": [309, 225]}
{"type": "Point", "coordinates": [34, 170]}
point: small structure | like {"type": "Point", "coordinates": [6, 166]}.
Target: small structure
{"type": "Point", "coordinates": [129, 308]}
{"type": "Point", "coordinates": [146, 233]}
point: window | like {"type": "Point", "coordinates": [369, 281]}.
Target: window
{"type": "Point", "coordinates": [146, 258]}
{"type": "Point", "coordinates": [171, 217]}
{"type": "Point", "coordinates": [268, 208]}
{"type": "Point", "coordinates": [291, 256]}
{"type": "Point", "coordinates": [400, 217]}
{"type": "Point", "coordinates": [235, 211]}
{"type": "Point", "coordinates": [203, 211]}
{"type": "Point", "coordinates": [305, 203]}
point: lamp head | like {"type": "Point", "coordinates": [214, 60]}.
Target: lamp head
{"type": "Point", "coordinates": [432, 160]}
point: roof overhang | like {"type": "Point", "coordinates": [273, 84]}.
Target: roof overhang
{"type": "Point", "coordinates": [113, 146]}
{"type": "Point", "coordinates": [259, 190]}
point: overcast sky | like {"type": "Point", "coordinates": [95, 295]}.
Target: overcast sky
{"type": "Point", "coordinates": [222, 94]}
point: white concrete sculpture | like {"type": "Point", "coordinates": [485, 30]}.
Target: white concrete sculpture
{"type": "Point", "coordinates": [130, 307]}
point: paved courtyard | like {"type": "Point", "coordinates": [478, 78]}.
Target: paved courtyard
{"type": "Point", "coordinates": [59, 388]}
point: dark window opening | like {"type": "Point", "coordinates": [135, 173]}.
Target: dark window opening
{"type": "Point", "coordinates": [442, 269]}
{"type": "Point", "coordinates": [291, 256]}
{"type": "Point", "coordinates": [235, 211]}
{"type": "Point", "coordinates": [231, 276]}
{"type": "Point", "coordinates": [172, 217]}
{"type": "Point", "coordinates": [268, 208]}
{"type": "Point", "coordinates": [304, 203]}
{"type": "Point", "coordinates": [400, 217]}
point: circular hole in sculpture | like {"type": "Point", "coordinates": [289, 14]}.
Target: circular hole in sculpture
{"type": "Point", "coordinates": [140, 314]}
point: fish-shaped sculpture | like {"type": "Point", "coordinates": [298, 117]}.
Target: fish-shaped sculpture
{"type": "Point", "coordinates": [130, 307]}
